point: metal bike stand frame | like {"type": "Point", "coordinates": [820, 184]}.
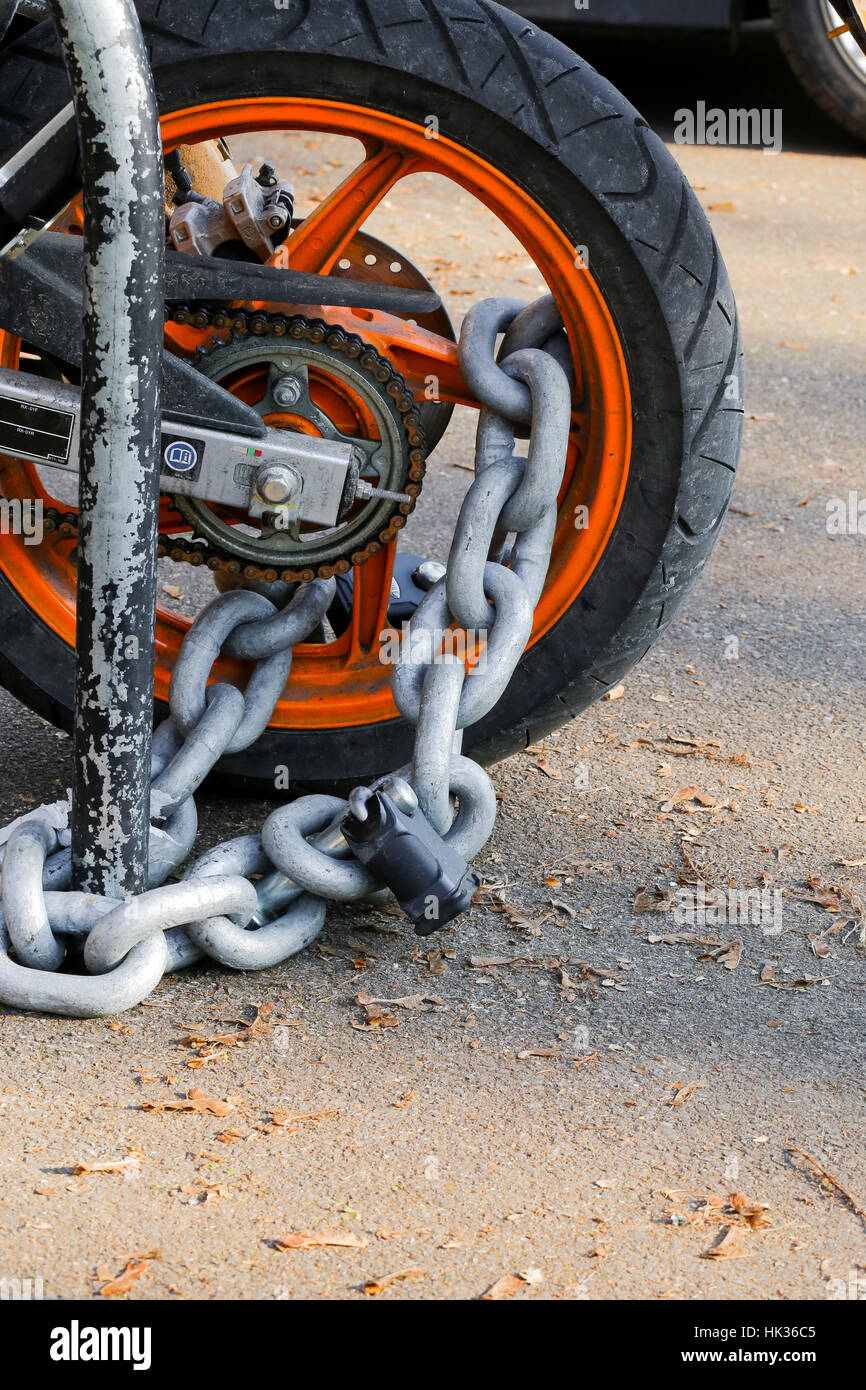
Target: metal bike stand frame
{"type": "Point", "coordinates": [124, 246]}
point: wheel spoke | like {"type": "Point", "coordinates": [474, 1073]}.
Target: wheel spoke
{"type": "Point", "coordinates": [427, 360]}
{"type": "Point", "coordinates": [318, 242]}
{"type": "Point", "coordinates": [372, 594]}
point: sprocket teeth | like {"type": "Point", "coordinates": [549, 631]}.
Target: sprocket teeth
{"type": "Point", "coordinates": [243, 327]}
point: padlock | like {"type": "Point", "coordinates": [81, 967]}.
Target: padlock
{"type": "Point", "coordinates": [388, 832]}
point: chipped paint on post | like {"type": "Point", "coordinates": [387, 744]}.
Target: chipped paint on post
{"type": "Point", "coordinates": [119, 490]}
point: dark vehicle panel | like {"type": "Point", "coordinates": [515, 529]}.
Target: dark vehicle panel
{"type": "Point", "coordinates": [660, 14]}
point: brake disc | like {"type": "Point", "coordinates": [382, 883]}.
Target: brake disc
{"type": "Point", "coordinates": [367, 258]}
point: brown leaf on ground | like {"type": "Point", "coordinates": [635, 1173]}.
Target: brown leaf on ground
{"type": "Point", "coordinates": [292, 1123]}
{"type": "Point", "coordinates": [422, 1003]}
{"type": "Point", "coordinates": [506, 1287]}
{"type": "Point", "coordinates": [708, 748]}
{"type": "Point", "coordinates": [722, 207]}
{"type": "Point", "coordinates": [310, 1240]}
{"type": "Point", "coordinates": [730, 956]}
{"type": "Point", "coordinates": [436, 962]}
{"type": "Point", "coordinates": [730, 1244]}
{"type": "Point", "coordinates": [582, 1061]}
{"type": "Point", "coordinates": [689, 800]}
{"type": "Point", "coordinates": [490, 962]}
{"type": "Point", "coordinates": [824, 894]}
{"type": "Point", "coordinates": [653, 900]}
{"type": "Point", "coordinates": [374, 1287]}
{"type": "Point", "coordinates": [687, 938]}
{"type": "Point", "coordinates": [755, 1214]}
{"type": "Point", "coordinates": [820, 946]}
{"type": "Point", "coordinates": [116, 1165]}
{"type": "Point", "coordinates": [375, 1018]}
{"type": "Point", "coordinates": [196, 1103]}
{"type": "Point", "coordinates": [516, 915]}
{"type": "Point", "coordinates": [544, 766]}
{"type": "Point", "coordinates": [116, 1288]}
{"type": "Point", "coordinates": [768, 972]}
{"type": "Point", "coordinates": [528, 1052]}
{"type": "Point", "coordinates": [684, 1091]}
{"type": "Point", "coordinates": [204, 1194]}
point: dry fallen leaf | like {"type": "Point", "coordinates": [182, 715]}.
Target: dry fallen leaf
{"type": "Point", "coordinates": [436, 962]}
{"type": "Point", "coordinates": [685, 1090]}
{"type": "Point", "coordinates": [722, 207]}
{"type": "Point", "coordinates": [117, 1165]}
{"type": "Point", "coordinates": [544, 766]}
{"type": "Point", "coordinates": [280, 1120]}
{"type": "Point", "coordinates": [204, 1194]}
{"type": "Point", "coordinates": [196, 1103]}
{"type": "Point", "coordinates": [653, 900]}
{"type": "Point", "coordinates": [374, 1287]}
{"type": "Point", "coordinates": [728, 1245]}
{"type": "Point", "coordinates": [309, 1240]}
{"type": "Point", "coordinates": [753, 1213]}
{"type": "Point", "coordinates": [730, 957]}
{"type": "Point", "coordinates": [506, 1287]}
{"type": "Point", "coordinates": [226, 1136]}
{"type": "Point", "coordinates": [616, 693]}
{"type": "Point", "coordinates": [132, 1270]}
{"type": "Point", "coordinates": [690, 800]}
{"type": "Point", "coordinates": [422, 1003]}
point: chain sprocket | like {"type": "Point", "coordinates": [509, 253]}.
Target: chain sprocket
{"type": "Point", "coordinates": [196, 551]}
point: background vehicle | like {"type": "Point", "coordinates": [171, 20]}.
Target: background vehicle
{"type": "Point", "coordinates": [832, 72]}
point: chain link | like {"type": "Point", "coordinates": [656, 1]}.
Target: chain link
{"type": "Point", "coordinates": [256, 900]}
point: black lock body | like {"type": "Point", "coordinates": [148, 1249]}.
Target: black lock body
{"type": "Point", "coordinates": [432, 882]}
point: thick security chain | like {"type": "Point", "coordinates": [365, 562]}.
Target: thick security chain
{"type": "Point", "coordinates": [496, 571]}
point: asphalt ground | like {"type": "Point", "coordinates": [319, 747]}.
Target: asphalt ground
{"type": "Point", "coordinates": [595, 1111]}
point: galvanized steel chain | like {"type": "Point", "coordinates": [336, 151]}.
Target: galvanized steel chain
{"type": "Point", "coordinates": [463, 645]}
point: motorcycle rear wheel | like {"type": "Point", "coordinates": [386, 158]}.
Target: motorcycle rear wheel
{"type": "Point", "coordinates": [565, 162]}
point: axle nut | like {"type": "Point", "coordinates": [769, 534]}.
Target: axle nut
{"type": "Point", "coordinates": [277, 483]}
{"type": "Point", "coordinates": [288, 391]}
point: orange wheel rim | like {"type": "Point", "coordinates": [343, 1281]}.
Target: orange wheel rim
{"type": "Point", "coordinates": [344, 683]}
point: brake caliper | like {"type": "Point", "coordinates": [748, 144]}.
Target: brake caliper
{"type": "Point", "coordinates": [254, 217]}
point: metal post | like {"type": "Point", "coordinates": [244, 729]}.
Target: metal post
{"type": "Point", "coordinates": [124, 240]}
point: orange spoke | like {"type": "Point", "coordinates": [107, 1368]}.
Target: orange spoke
{"type": "Point", "coordinates": [372, 594]}
{"type": "Point", "coordinates": [317, 244]}
{"type": "Point", "coordinates": [426, 359]}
